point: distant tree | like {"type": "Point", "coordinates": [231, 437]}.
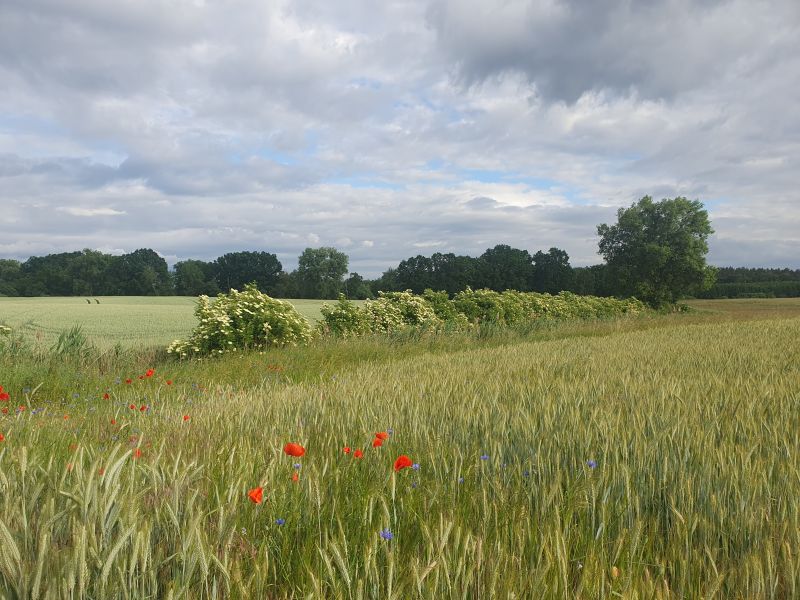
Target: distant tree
{"type": "Point", "coordinates": [505, 268]}
{"type": "Point", "coordinates": [452, 273]}
{"type": "Point", "coordinates": [236, 269]}
{"type": "Point", "coordinates": [552, 272]}
{"type": "Point", "coordinates": [89, 272]}
{"type": "Point", "coordinates": [657, 250]}
{"type": "Point", "coordinates": [48, 275]}
{"type": "Point", "coordinates": [10, 273]}
{"type": "Point", "coordinates": [415, 274]}
{"type": "Point", "coordinates": [287, 285]}
{"type": "Point", "coordinates": [140, 273]}
{"type": "Point", "coordinates": [320, 272]}
{"type": "Point", "coordinates": [356, 288]}
{"type": "Point", "coordinates": [195, 278]}
{"type": "Point", "coordinates": [387, 282]}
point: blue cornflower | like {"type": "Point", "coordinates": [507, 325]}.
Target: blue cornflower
{"type": "Point", "coordinates": [386, 534]}
{"type": "Point", "coordinates": [280, 521]}
{"type": "Point", "coordinates": [526, 473]}
{"type": "Point", "coordinates": [414, 485]}
{"type": "Point", "coordinates": [390, 431]}
{"type": "Point", "coordinates": [297, 465]}
{"type": "Point", "coordinates": [484, 457]}
{"type": "Point", "coordinates": [460, 480]}
{"type": "Point", "coordinates": [592, 464]}
{"type": "Point", "coordinates": [415, 466]}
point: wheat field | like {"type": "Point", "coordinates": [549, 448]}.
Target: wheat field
{"type": "Point", "coordinates": [653, 459]}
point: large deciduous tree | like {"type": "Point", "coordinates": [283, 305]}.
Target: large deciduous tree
{"type": "Point", "coordinates": [320, 272]}
{"type": "Point", "coordinates": [657, 250]}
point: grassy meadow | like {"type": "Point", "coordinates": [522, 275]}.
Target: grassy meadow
{"type": "Point", "coordinates": [650, 457]}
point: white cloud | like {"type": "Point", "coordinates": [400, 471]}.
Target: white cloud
{"type": "Point", "coordinates": [78, 211]}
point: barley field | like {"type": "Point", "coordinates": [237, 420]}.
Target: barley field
{"type": "Point", "coordinates": [647, 458]}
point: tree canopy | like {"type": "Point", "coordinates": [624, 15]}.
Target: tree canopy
{"type": "Point", "coordinates": [320, 272]}
{"type": "Point", "coordinates": [657, 250]}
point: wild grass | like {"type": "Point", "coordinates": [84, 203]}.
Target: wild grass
{"type": "Point", "coordinates": [691, 420]}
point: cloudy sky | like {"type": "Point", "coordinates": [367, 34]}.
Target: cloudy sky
{"type": "Point", "coordinates": [394, 128]}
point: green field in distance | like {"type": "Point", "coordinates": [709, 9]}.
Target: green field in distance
{"type": "Point", "coordinates": [132, 321]}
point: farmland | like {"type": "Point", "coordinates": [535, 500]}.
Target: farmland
{"type": "Point", "coordinates": [133, 321]}
{"type": "Point", "coordinates": [651, 457]}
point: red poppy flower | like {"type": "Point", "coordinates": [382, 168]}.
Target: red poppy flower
{"type": "Point", "coordinates": [347, 449]}
{"type": "Point", "coordinates": [186, 417]}
{"type": "Point", "coordinates": [129, 381]}
{"type": "Point", "coordinates": [132, 407]}
{"type": "Point", "coordinates": [4, 396]}
{"type": "Point", "coordinates": [295, 477]}
{"type": "Point", "coordinates": [21, 408]}
{"type": "Point", "coordinates": [377, 442]}
{"type": "Point", "coordinates": [143, 407]}
{"type": "Point", "coordinates": [102, 471]}
{"type": "Point", "coordinates": [137, 453]}
{"type": "Point", "coordinates": [141, 376]}
{"type": "Point", "coordinates": [293, 449]}
{"type": "Point", "coordinates": [2, 438]}
{"type": "Point", "coordinates": [169, 381]}
{"type": "Point", "coordinates": [150, 373]}
{"type": "Point", "coordinates": [106, 396]}
{"type": "Point", "coordinates": [66, 417]}
{"type": "Point", "coordinates": [256, 495]}
{"type": "Point", "coordinates": [358, 454]}
{"type": "Point", "coordinates": [5, 410]}
{"type": "Point", "coordinates": [113, 421]}
{"type": "Point", "coordinates": [382, 435]}
{"type": "Point", "coordinates": [402, 462]}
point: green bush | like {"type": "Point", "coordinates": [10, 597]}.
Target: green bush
{"type": "Point", "coordinates": [444, 308]}
{"type": "Point", "coordinates": [242, 320]}
{"type": "Point", "coordinates": [480, 306]}
{"type": "Point", "coordinates": [343, 318]}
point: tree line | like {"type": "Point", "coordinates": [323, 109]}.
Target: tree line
{"type": "Point", "coordinates": [320, 274]}
{"type": "Point", "coordinates": [656, 252]}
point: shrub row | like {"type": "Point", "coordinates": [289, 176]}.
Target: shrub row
{"type": "Point", "coordinates": [252, 320]}
{"type": "Point", "coordinates": [396, 311]}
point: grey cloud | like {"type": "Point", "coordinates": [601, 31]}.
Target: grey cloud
{"type": "Point", "coordinates": [658, 48]}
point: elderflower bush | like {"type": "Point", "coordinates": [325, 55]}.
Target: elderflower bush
{"type": "Point", "coordinates": [343, 318]}
{"type": "Point", "coordinates": [242, 320]}
{"type": "Point", "coordinates": [391, 311]}
{"type": "Point", "coordinates": [399, 310]}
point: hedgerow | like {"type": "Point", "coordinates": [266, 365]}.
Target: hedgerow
{"type": "Point", "coordinates": [395, 311]}
{"type": "Point", "coordinates": [252, 320]}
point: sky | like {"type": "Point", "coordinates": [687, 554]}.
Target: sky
{"type": "Point", "coordinates": [394, 128]}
